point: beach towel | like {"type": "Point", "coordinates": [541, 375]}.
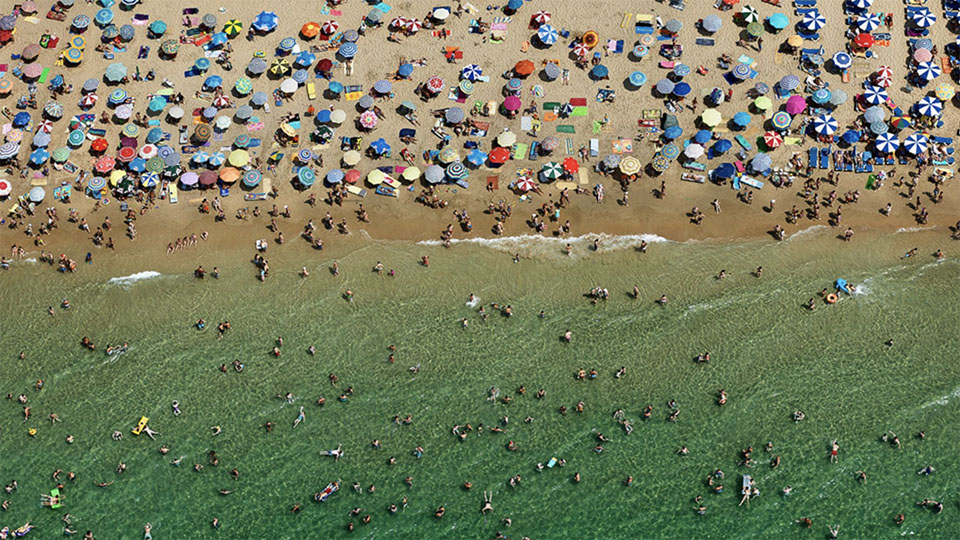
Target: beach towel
{"type": "Point", "coordinates": [578, 102]}
{"type": "Point", "coordinates": [551, 105]}
{"type": "Point", "coordinates": [493, 182]}
{"type": "Point", "coordinates": [549, 116]}
{"type": "Point", "coordinates": [582, 175]}
{"type": "Point", "coordinates": [566, 128]}
{"type": "Point", "coordinates": [357, 190]}
{"type": "Point", "coordinates": [520, 151]}
{"type": "Point", "coordinates": [579, 111]}
{"type": "Point", "coordinates": [708, 42]}
{"type": "Point", "coordinates": [569, 146]}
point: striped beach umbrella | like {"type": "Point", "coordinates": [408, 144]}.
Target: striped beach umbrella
{"type": "Point", "coordinates": [287, 44]}
{"type": "Point", "coordinates": [382, 86]}
{"type": "Point", "coordinates": [541, 17]}
{"type": "Point", "coordinates": [149, 180]}
{"type": "Point", "coordinates": [630, 165]}
{"type": "Point", "coordinates": [104, 164]}
{"type": "Point", "coordinates": [466, 87]}
{"type": "Point", "coordinates": [923, 18]}
{"type": "Point", "coordinates": [781, 120]}
{"type": "Point", "coordinates": [842, 60]}
{"type": "Point", "coordinates": [170, 47]}
{"type": "Point", "coordinates": [821, 96]}
{"type": "Point", "coordinates": [886, 143]}
{"type": "Point", "coordinates": [825, 124]}
{"type": "Point", "coordinates": [155, 164]}
{"type": "Point", "coordinates": [59, 155]}
{"type": "Point", "coordinates": [280, 67]}
{"type": "Point", "coordinates": [232, 28]}
{"type": "Point", "coordinates": [201, 64]}
{"type": "Point", "coordinates": [75, 138]}
{"type": "Point", "coordinates": [53, 109]}
{"type": "Point", "coordinates": [551, 170]}
{"type": "Point", "coordinates": [306, 176]}
{"type": "Point", "coordinates": [74, 55]}
{"type": "Point", "coordinates": [669, 151]}
{"type": "Point", "coordinates": [448, 155]}
{"type": "Point", "coordinates": [347, 50]}
{"type": "Point", "coordinates": [547, 34]}
{"type": "Point", "coordinates": [81, 22]}
{"type": "Point", "coordinates": [928, 71]}
{"type": "Point", "coordinates": [741, 72]}
{"type": "Point", "coordinates": [749, 14]}
{"type": "Point", "coordinates": [103, 17]}
{"type": "Point", "coordinates": [251, 178]}
{"type": "Point", "coordinates": [471, 72]}
{"type": "Point", "coordinates": [929, 106]}
{"type": "Point", "coordinates": [414, 25]}
{"type": "Point", "coordinates": [875, 95]}
{"type": "Point", "coordinates": [456, 171]}
{"type": "Point", "coordinates": [772, 139]}
{"type": "Point", "coordinates": [96, 183]}
{"type": "Point", "coordinates": [868, 22]}
{"type": "Point", "coordinates": [660, 163]}
{"type": "Point", "coordinates": [813, 21]}
{"type": "Point", "coordinates": [789, 82]}
{"type": "Point", "coordinates": [148, 151]}
{"type": "Point", "coordinates": [638, 78]}
{"type": "Point", "coordinates": [916, 143]}
{"type": "Point", "coordinates": [435, 84]}
{"type": "Point", "coordinates": [200, 157]}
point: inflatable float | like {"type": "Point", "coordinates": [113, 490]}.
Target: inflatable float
{"type": "Point", "coordinates": [331, 488]}
{"type": "Point", "coordinates": [141, 425]}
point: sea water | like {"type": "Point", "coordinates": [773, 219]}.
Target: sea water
{"type": "Point", "coordinates": [770, 354]}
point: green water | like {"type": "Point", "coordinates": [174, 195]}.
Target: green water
{"type": "Point", "coordinates": [770, 355]}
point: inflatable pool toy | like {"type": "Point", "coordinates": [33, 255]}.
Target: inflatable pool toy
{"type": "Point", "coordinates": [841, 285]}
{"type": "Point", "coordinates": [331, 488]}
{"type": "Point", "coordinates": [832, 298]}
{"type": "Point", "coordinates": [551, 463]}
{"type": "Point", "coordinates": [55, 498]}
{"type": "Point", "coordinates": [32, 432]}
{"type": "Point", "coordinates": [141, 425]}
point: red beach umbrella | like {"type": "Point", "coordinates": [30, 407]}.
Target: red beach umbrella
{"type": "Point", "coordinates": [499, 155]}
{"type": "Point", "coordinates": [772, 139]}
{"type": "Point", "coordinates": [864, 41]}
{"type": "Point", "coordinates": [571, 165]}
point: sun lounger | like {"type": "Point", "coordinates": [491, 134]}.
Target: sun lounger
{"type": "Point", "coordinates": [825, 157]}
{"type": "Point", "coordinates": [742, 141]}
{"type": "Point", "coordinates": [812, 158]}
{"type": "Point", "coordinates": [805, 3]}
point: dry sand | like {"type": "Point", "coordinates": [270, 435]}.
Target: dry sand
{"type": "Point", "coordinates": [402, 218]}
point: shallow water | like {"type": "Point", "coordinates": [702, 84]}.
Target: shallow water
{"type": "Point", "coordinates": [770, 354]}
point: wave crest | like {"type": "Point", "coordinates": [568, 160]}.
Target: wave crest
{"type": "Point", "coordinates": [534, 242]}
{"type": "Point", "coordinates": [133, 278]}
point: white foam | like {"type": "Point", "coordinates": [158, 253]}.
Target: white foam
{"type": "Point", "coordinates": [30, 260]}
{"type": "Point", "coordinates": [943, 400]}
{"type": "Point", "coordinates": [133, 278]}
{"type": "Point", "coordinates": [808, 230]}
{"type": "Point", "coordinates": [914, 229]}
{"type": "Point", "coordinates": [514, 244]}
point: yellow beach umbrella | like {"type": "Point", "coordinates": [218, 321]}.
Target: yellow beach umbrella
{"type": "Point", "coordinates": [763, 103]}
{"type": "Point", "coordinates": [351, 157]}
{"type": "Point", "coordinates": [711, 117]}
{"type": "Point", "coordinates": [794, 41]}
{"type": "Point", "coordinates": [411, 173]}
{"type": "Point", "coordinates": [944, 91]}
{"type": "Point", "coordinates": [239, 158]}
{"type": "Point", "coordinates": [376, 177]}
{"type": "Point", "coordinates": [116, 176]}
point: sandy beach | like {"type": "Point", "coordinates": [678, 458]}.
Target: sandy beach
{"type": "Point", "coordinates": [610, 291]}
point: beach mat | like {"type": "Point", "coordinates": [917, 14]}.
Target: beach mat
{"type": "Point", "coordinates": [579, 111]}
{"type": "Point", "coordinates": [566, 128]}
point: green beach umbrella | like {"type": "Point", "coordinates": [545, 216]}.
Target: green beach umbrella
{"type": "Point", "coordinates": [233, 28]}
{"type": "Point", "coordinates": [755, 29]}
{"type": "Point", "coordinates": [131, 130]}
{"type": "Point", "coordinates": [75, 138]}
{"type": "Point", "coordinates": [61, 154]}
{"type": "Point", "coordinates": [552, 170]}
{"type": "Point", "coordinates": [243, 86]}
{"type": "Point", "coordinates": [155, 164]}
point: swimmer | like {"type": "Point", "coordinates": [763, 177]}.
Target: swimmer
{"type": "Point", "coordinates": [487, 503]}
{"type": "Point", "coordinates": [176, 407]}
{"type": "Point", "coordinates": [216, 430]}
{"type": "Point", "coordinates": [663, 300]}
{"type": "Point", "coordinates": [568, 336]}
{"type": "Point", "coordinates": [300, 418]}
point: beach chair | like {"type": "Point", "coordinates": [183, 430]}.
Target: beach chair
{"type": "Point", "coordinates": [825, 157]}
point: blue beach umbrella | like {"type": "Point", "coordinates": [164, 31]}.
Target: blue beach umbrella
{"type": "Point", "coordinates": [638, 78]}
{"type": "Point", "coordinates": [778, 21]}
{"type": "Point", "coordinates": [405, 70]}
{"type": "Point", "coordinates": [110, 32]}
{"type": "Point", "coordinates": [711, 23]}
{"type": "Point", "coordinates": [672, 133]}
{"type": "Point", "coordinates": [703, 136]}
{"type": "Point", "coordinates": [39, 156]}
{"type": "Point", "coordinates": [265, 21]}
{"type": "Point", "coordinates": [929, 106]}
{"type": "Point", "coordinates": [201, 64]}
{"type": "Point", "coordinates": [725, 170]}
{"type": "Point", "coordinates": [348, 50]}
{"type": "Point", "coordinates": [721, 146]}
{"type": "Point", "coordinates": [813, 21]}
{"type": "Point", "coordinates": [137, 165]}
{"type": "Point", "coordinates": [81, 22]}
{"type": "Point", "coordinates": [915, 143]}
{"type": "Point", "coordinates": [514, 5]}
{"type": "Point", "coordinates": [150, 180]}
{"type": "Point", "coordinates": [842, 60]}
{"type": "Point", "coordinates": [875, 95]}
{"type": "Point", "coordinates": [681, 70]}
{"type": "Point", "coordinates": [154, 135]}
{"type": "Point", "coordinates": [825, 124]}
{"type": "Point", "coordinates": [886, 143]}
{"type": "Point", "coordinates": [923, 18]}
{"type": "Point", "coordinates": [335, 176]}
{"type": "Point", "coordinates": [878, 128]}
{"type": "Point", "coordinates": [670, 151]}
{"type": "Point", "coordinates": [117, 96]}
{"type": "Point", "coordinates": [928, 71]}
{"type": "Point", "coordinates": [251, 178]}
{"type": "Point", "coordinates": [761, 162]}
{"type": "Point", "coordinates": [21, 119]}
{"type": "Point", "coordinates": [158, 28]}
{"type": "Point", "coordinates": [471, 72]}
{"type": "Point", "coordinates": [382, 86]}
{"type": "Point", "coordinates": [850, 136]}
{"type": "Point", "coordinates": [868, 22]}
{"type": "Point", "coordinates": [213, 81]}
{"type": "Point", "coordinates": [741, 119]}
{"type": "Point", "coordinates": [547, 34]}
{"type": "Point", "coordinates": [380, 146]}
{"type": "Point", "coordinates": [476, 157]}
{"type": "Point", "coordinates": [75, 138]}
{"type": "Point", "coordinates": [599, 71]}
{"type": "Point", "coordinates": [103, 17]}
{"type": "Point", "coordinates": [741, 72]}
{"type": "Point", "coordinates": [258, 98]}
{"type": "Point", "coordinates": [821, 96]}
{"type": "Point", "coordinates": [218, 39]}
{"type": "Point", "coordinates": [681, 89]}
{"type": "Point", "coordinates": [306, 176]}
{"type": "Point", "coordinates": [665, 86]}
{"type": "Point", "coordinates": [305, 59]}
{"type": "Point", "coordinates": [127, 32]}
{"type": "Point", "coordinates": [300, 76]}
{"type": "Point", "coordinates": [287, 44]}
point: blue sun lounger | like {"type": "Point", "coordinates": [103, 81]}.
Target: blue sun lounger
{"type": "Point", "coordinates": [825, 157]}
{"type": "Point", "coordinates": [812, 158]}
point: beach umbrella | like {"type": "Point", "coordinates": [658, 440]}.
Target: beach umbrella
{"type": "Point", "coordinates": [382, 86]}
{"type": "Point", "coordinates": [525, 184]}
{"type": "Point", "coordinates": [778, 21]}
{"type": "Point", "coordinates": [16, 135]}
{"type": "Point", "coordinates": [41, 139]}
{"type": "Point", "coordinates": [506, 138]}
{"type": "Point", "coordinates": [148, 151]}
{"type": "Point", "coordinates": [879, 127]}
{"type": "Point", "coordinates": [99, 144]}
{"type": "Point", "coordinates": [96, 183]}
{"type": "Point", "coordinates": [547, 34]}
{"type": "Point", "coordinates": [711, 23]}
{"type": "Point", "coordinates": [755, 29]}
{"type": "Point", "coordinates": [681, 89]}
{"type": "Point", "coordinates": [435, 84]}
{"type": "Point", "coordinates": [81, 22]}
{"type": "Point", "coordinates": [21, 119]}
{"type": "Point", "coordinates": [923, 18]}
{"type": "Point", "coordinates": [741, 119]}
{"type": "Point", "coordinates": [672, 133]}
{"type": "Point", "coordinates": [218, 39]}
{"type": "Point", "coordinates": [223, 122]}
{"type": "Point", "coordinates": [36, 194]}
{"type": "Point", "coordinates": [842, 60]}
{"type": "Point", "coordinates": [154, 164]}
{"type": "Point", "coordinates": [212, 82]}
{"type": "Point", "coordinates": [304, 155]}
{"type": "Point", "coordinates": [150, 180]}
{"type": "Point", "coordinates": [551, 170]}
{"type": "Point", "coordinates": [886, 143]}
{"type": "Point", "coordinates": [32, 71]}
{"type": "Point", "coordinates": [380, 146]}
{"type": "Point", "coordinates": [454, 115]}
{"type": "Point", "coordinates": [59, 155]}
{"type": "Point", "coordinates": [630, 165]}
{"type": "Point", "coordinates": [53, 109]}
{"type": "Point", "coordinates": [6, 85]}
{"type": "Point", "coordinates": [611, 161]}
{"type": "Point", "coordinates": [305, 59]}
{"type": "Point", "coordinates": [266, 21]}
{"type": "Point", "coordinates": [850, 136]}
{"type": "Point", "coordinates": [874, 95]}
{"type": "Point", "coordinates": [127, 32]}
{"type": "Point", "coordinates": [466, 87]}
{"type": "Point", "coordinates": [772, 139]}
{"type": "Point", "coordinates": [398, 23]}
{"type": "Point", "coordinates": [868, 22]}
{"type": "Point", "coordinates": [825, 124]}
{"type": "Point", "coordinates": [202, 132]}
{"type": "Point", "coordinates": [540, 17]}
{"type": "Point", "coordinates": [368, 120]}
{"type": "Point", "coordinates": [306, 176]}
{"type": "Point", "coordinates": [681, 70]}
{"type": "Point", "coordinates": [258, 98]}
{"type": "Point", "coordinates": [287, 44]}
{"type": "Point", "coordinates": [923, 43]}
{"type": "Point", "coordinates": [523, 68]}
{"type": "Point", "coordinates": [279, 67]}
{"type": "Point", "coordinates": [137, 165]}
{"type": "Point", "coordinates": [693, 151]}
{"type": "Point", "coordinates": [158, 28]}
{"type": "Point", "coordinates": [414, 25]}
{"type": "Point", "coordinates": [157, 103]}
{"type": "Point", "coordinates": [190, 179]}
{"type": "Point", "coordinates": [741, 72]}
{"type": "Point", "coordinates": [512, 103]}
{"type": "Point", "coordinates": [207, 178]}
{"type": "Point", "coordinates": [471, 72]}
{"type": "Point", "coordinates": [251, 178]}
{"type": "Point", "coordinates": [115, 72]}
{"type": "Point", "coordinates": [944, 91]}
{"type": "Point", "coordinates": [239, 158]}
{"type": "Point", "coordinates": [310, 30]}
{"type": "Point", "coordinates": [243, 86]}
{"type": "Point", "coordinates": [749, 14]}
{"type": "Point", "coordinates": [499, 155]}
{"type": "Point", "coordinates": [928, 71]}
{"type": "Point", "coordinates": [861, 4]}
{"type": "Point", "coordinates": [75, 138]}
{"type": "Point", "coordinates": [813, 21]}
{"type": "Point", "coordinates": [233, 28]}
{"type": "Point", "coordinates": [216, 160]}
{"type": "Point", "coordinates": [200, 157]}
{"type": "Point", "coordinates": [110, 32]}
{"type": "Point", "coordinates": [105, 164]}
{"type": "Point", "coordinates": [30, 52]}
{"type": "Point", "coordinates": [725, 170]}
{"type": "Point", "coordinates": [864, 40]}
{"type": "Point", "coordinates": [572, 166]}
{"type": "Point", "coordinates": [124, 112]}
{"type": "Point", "coordinates": [884, 72]}
{"type": "Point", "coordinates": [5, 187]}
{"type": "Point", "coordinates": [762, 103]}
{"type": "Point", "coordinates": [761, 162]}
{"type": "Point", "coordinates": [448, 155]}
{"type": "Point", "coordinates": [665, 86]}
{"type": "Point", "coordinates": [170, 47]}
{"type": "Point", "coordinates": [637, 79]}
{"type": "Point", "coordinates": [89, 85]}
{"type": "Point", "coordinates": [175, 113]}
{"type": "Point", "coordinates": [838, 97]}
{"type": "Point", "coordinates": [347, 50]}
{"type": "Point", "coordinates": [209, 20]}
{"type": "Point", "coordinates": [789, 82]}
{"type": "Point", "coordinates": [433, 174]}
{"type": "Point", "coordinates": [117, 96]}
{"type": "Point", "coordinates": [599, 71]}
{"type": "Point", "coordinates": [351, 157]}
{"type": "Point", "coordinates": [711, 118]}
{"type": "Point", "coordinates": [338, 116]}
{"type": "Point", "coordinates": [669, 151]}
{"type": "Point", "coordinates": [456, 171]}
{"type": "Point", "coordinates": [201, 64]}
{"type": "Point", "coordinates": [922, 55]}
{"type": "Point", "coordinates": [915, 143]}
{"type": "Point", "coordinates": [514, 84]}
{"type": "Point", "coordinates": [476, 157]}
{"type": "Point", "coordinates": [580, 49]}
{"type": "Point", "coordinates": [821, 96]}
{"type": "Point", "coordinates": [781, 120]}
{"type": "Point", "coordinates": [39, 156]}
{"type": "Point", "coordinates": [257, 66]}
{"type": "Point", "coordinates": [103, 17]}
{"type": "Point", "coordinates": [405, 70]}
{"type": "Point", "coordinates": [660, 163]}
{"type": "Point", "coordinates": [376, 177]}
{"type": "Point", "coordinates": [929, 106]}
{"type": "Point", "coordinates": [673, 26]}
{"type": "Point", "coordinates": [796, 105]}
